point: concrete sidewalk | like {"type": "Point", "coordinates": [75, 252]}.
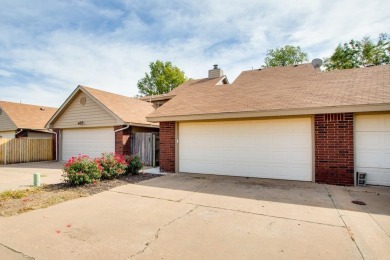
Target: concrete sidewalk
{"type": "Point", "coordinates": [20, 176]}
{"type": "Point", "coordinates": [189, 216]}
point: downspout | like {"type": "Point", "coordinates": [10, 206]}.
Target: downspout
{"type": "Point", "coordinates": [21, 130]}
{"type": "Point", "coordinates": [124, 128]}
{"type": "Point", "coordinates": [121, 129]}
{"type": "Point", "coordinates": [56, 143]}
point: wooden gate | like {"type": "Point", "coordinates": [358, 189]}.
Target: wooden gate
{"type": "Point", "coordinates": [146, 146]}
{"type": "Point", "coordinates": [22, 150]}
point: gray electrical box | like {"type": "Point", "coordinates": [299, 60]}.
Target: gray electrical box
{"type": "Point", "coordinates": [361, 178]}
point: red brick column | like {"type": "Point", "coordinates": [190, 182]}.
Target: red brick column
{"type": "Point", "coordinates": [167, 146]}
{"type": "Point", "coordinates": [123, 140]}
{"type": "Point", "coordinates": [334, 149]}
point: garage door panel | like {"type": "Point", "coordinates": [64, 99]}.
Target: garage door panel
{"type": "Point", "coordinates": [231, 141]}
{"type": "Point", "coordinates": [279, 148]}
{"type": "Point", "coordinates": [369, 159]}
{"type": "Point", "coordinates": [300, 125]}
{"type": "Point", "coordinates": [372, 147]}
{"type": "Point", "coordinates": [261, 127]}
{"type": "Point", "coordinates": [262, 156]}
{"type": "Point", "coordinates": [281, 157]}
{"type": "Point", "coordinates": [281, 141]}
{"type": "Point", "coordinates": [301, 157]}
{"type": "Point", "coordinates": [301, 140]}
{"type": "Point", "coordinates": [92, 142]}
{"type": "Point", "coordinates": [386, 141]}
{"type": "Point", "coordinates": [369, 140]}
{"type": "Point", "coordinates": [262, 141]}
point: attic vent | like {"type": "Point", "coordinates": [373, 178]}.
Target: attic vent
{"type": "Point", "coordinates": [83, 101]}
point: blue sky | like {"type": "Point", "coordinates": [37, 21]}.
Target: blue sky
{"type": "Point", "coordinates": [47, 48]}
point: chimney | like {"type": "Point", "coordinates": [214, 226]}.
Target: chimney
{"type": "Point", "coordinates": [215, 72]}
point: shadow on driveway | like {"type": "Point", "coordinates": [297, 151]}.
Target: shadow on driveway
{"type": "Point", "coordinates": [377, 198]}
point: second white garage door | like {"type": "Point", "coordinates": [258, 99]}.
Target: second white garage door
{"type": "Point", "coordinates": [372, 147]}
{"type": "Point", "coordinates": [276, 149]}
{"type": "Point", "coordinates": [92, 142]}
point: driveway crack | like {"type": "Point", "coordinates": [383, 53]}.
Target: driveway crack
{"type": "Point", "coordinates": [17, 252]}
{"type": "Point", "coordinates": [156, 236]}
{"type": "Point", "coordinates": [342, 219]}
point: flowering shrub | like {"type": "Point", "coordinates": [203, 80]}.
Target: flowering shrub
{"type": "Point", "coordinates": [134, 164]}
{"type": "Point", "coordinates": [113, 165]}
{"type": "Point", "coordinates": [82, 169]}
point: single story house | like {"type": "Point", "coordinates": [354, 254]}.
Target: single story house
{"type": "Point", "coordinates": [22, 120]}
{"type": "Point", "coordinates": [292, 123]}
{"type": "Point", "coordinates": [92, 121]}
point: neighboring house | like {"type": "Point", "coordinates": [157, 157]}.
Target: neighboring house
{"type": "Point", "coordinates": [22, 120]}
{"type": "Point", "coordinates": [92, 121]}
{"type": "Point", "coordinates": [215, 78]}
{"type": "Point", "coordinates": [292, 123]}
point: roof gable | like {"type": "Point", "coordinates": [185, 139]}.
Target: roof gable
{"type": "Point", "coordinates": [84, 111]}
{"type": "Point", "coordinates": [6, 123]}
{"type": "Point", "coordinates": [26, 116]}
{"type": "Point", "coordinates": [117, 109]}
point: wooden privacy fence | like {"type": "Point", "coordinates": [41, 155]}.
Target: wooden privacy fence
{"type": "Point", "coordinates": [22, 150]}
{"type": "Point", "coordinates": [146, 146]}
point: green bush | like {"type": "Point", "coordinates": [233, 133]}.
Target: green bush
{"type": "Point", "coordinates": [113, 165]}
{"type": "Point", "coordinates": [82, 169]}
{"type": "Point", "coordinates": [134, 164]}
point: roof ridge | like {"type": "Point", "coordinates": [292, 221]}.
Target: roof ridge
{"type": "Point", "coordinates": [23, 104]}
{"type": "Point", "coordinates": [111, 93]}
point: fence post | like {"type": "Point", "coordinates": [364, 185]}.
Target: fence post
{"type": "Point", "coordinates": [5, 152]}
{"type": "Point", "coordinates": [153, 150]}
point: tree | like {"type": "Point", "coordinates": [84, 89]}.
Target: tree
{"type": "Point", "coordinates": [163, 78]}
{"type": "Point", "coordinates": [355, 54]}
{"type": "Point", "coordinates": [284, 56]}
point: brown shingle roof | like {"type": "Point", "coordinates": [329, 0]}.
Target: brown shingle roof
{"type": "Point", "coordinates": [28, 116]}
{"type": "Point", "coordinates": [198, 83]}
{"type": "Point", "coordinates": [284, 88]}
{"type": "Point", "coordinates": [130, 110]}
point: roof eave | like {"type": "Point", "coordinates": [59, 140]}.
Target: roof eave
{"type": "Point", "coordinates": [275, 112]}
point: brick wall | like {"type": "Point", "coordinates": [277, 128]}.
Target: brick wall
{"type": "Point", "coordinates": [167, 146]}
{"type": "Point", "coordinates": [122, 140]}
{"type": "Point", "coordinates": [334, 149]}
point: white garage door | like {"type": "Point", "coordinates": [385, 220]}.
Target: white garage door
{"type": "Point", "coordinates": [372, 147]}
{"type": "Point", "coordinates": [276, 149]}
{"type": "Point", "coordinates": [92, 142]}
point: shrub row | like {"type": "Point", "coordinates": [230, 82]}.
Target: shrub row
{"type": "Point", "coordinates": [82, 169]}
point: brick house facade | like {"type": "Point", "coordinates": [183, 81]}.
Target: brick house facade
{"type": "Point", "coordinates": [167, 146]}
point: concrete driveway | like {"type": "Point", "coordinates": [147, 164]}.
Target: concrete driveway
{"type": "Point", "coordinates": [20, 176]}
{"type": "Point", "coordinates": [207, 217]}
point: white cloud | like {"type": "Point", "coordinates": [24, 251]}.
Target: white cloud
{"type": "Point", "coordinates": [47, 49]}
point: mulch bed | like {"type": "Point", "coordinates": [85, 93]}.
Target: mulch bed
{"type": "Point", "coordinates": [52, 194]}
